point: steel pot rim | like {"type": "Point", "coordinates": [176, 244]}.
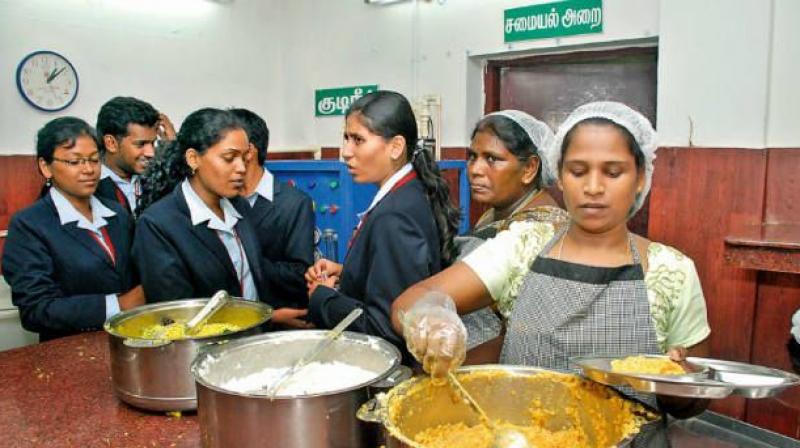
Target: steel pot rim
{"type": "Point", "coordinates": [111, 323]}
{"type": "Point", "coordinates": [380, 415]}
{"type": "Point", "coordinates": [241, 343]}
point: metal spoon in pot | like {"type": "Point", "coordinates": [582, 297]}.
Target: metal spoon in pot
{"type": "Point", "coordinates": [314, 352]}
{"type": "Point", "coordinates": [503, 437]}
{"type": "Point", "coordinates": [217, 301]}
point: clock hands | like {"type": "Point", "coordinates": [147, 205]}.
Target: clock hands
{"type": "Point", "coordinates": [54, 74]}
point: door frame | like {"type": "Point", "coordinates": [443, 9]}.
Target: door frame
{"type": "Point", "coordinates": [491, 78]}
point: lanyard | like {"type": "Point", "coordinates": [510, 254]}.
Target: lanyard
{"type": "Point", "coordinates": [105, 243]}
{"type": "Point", "coordinates": [404, 180]}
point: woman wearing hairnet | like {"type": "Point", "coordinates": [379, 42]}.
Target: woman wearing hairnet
{"type": "Point", "coordinates": [590, 286]}
{"type": "Point", "coordinates": [507, 171]}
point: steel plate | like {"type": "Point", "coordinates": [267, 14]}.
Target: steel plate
{"type": "Point", "coordinates": [694, 385]}
{"type": "Point", "coordinates": [748, 380]}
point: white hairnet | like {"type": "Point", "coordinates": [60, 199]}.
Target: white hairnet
{"type": "Point", "coordinates": [540, 134]}
{"type": "Point", "coordinates": [636, 123]}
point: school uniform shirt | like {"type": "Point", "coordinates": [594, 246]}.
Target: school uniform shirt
{"type": "Point", "coordinates": [122, 191]}
{"type": "Point", "coordinates": [395, 246]}
{"type": "Point", "coordinates": [65, 271]}
{"type": "Point", "coordinates": [283, 218]}
{"type": "Point", "coordinates": [183, 250]}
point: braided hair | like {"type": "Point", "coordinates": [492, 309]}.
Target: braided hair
{"type": "Point", "coordinates": [389, 114]}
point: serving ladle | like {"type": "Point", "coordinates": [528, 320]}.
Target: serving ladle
{"type": "Point", "coordinates": [217, 301]}
{"type": "Point", "coordinates": [503, 437]}
{"type": "Point", "coordinates": [314, 352]}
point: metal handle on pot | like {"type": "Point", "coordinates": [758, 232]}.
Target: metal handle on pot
{"type": "Point", "coordinates": [373, 411]}
{"type": "Point", "coordinates": [397, 376]}
{"type": "Point", "coordinates": [208, 346]}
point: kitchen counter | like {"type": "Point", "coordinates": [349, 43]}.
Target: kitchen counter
{"type": "Point", "coordinates": [59, 394]}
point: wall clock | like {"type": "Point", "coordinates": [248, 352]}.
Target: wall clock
{"type": "Point", "coordinates": [47, 81]}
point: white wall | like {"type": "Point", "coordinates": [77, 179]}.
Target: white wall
{"type": "Point", "coordinates": [177, 54]}
{"type": "Point", "coordinates": [350, 43]}
{"type": "Point", "coordinates": [459, 36]}
{"type": "Point", "coordinates": [335, 44]}
{"type": "Point", "coordinates": [783, 127]}
{"type": "Point", "coordinates": [713, 70]}
{"type": "Point", "coordinates": [720, 62]}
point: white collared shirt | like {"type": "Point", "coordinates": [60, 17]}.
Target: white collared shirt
{"type": "Point", "coordinates": [225, 229]}
{"type": "Point", "coordinates": [130, 188]}
{"type": "Point", "coordinates": [385, 189]}
{"type": "Point", "coordinates": [265, 188]}
{"type": "Point", "coordinates": [67, 213]}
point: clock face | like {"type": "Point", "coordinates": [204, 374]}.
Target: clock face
{"type": "Point", "coordinates": [47, 81]}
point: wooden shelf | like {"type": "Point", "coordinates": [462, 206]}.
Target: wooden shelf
{"type": "Point", "coordinates": [765, 247]}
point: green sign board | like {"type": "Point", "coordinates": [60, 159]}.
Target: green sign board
{"type": "Point", "coordinates": [564, 18]}
{"type": "Point", "coordinates": [337, 101]}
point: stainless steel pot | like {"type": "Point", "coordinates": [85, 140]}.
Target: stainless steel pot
{"type": "Point", "coordinates": [154, 374]}
{"type": "Point", "coordinates": [232, 419]}
{"type": "Point", "coordinates": [507, 393]}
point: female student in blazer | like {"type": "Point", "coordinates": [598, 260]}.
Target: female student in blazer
{"type": "Point", "coordinates": [191, 239]}
{"type": "Point", "coordinates": [67, 256]}
{"type": "Point", "coordinates": [405, 236]}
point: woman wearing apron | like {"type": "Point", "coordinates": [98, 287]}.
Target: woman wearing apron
{"type": "Point", "coordinates": [590, 287]}
{"type": "Point", "coordinates": [508, 172]}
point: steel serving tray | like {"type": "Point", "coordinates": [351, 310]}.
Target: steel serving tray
{"type": "Point", "coordinates": [748, 380]}
{"type": "Point", "coordinates": [708, 378]}
{"type": "Point", "coordinates": [697, 384]}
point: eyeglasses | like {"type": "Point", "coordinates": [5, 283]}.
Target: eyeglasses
{"type": "Point", "coordinates": [92, 161]}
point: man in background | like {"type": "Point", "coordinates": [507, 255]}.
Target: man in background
{"type": "Point", "coordinates": [127, 130]}
{"type": "Point", "coordinates": [283, 217]}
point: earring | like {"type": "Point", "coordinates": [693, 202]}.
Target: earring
{"type": "Point", "coordinates": [49, 182]}
{"type": "Point", "coordinates": [194, 170]}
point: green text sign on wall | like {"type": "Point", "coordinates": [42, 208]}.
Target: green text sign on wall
{"type": "Point", "coordinates": [562, 18]}
{"type": "Point", "coordinates": [337, 101]}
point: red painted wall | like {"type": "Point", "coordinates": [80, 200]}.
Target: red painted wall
{"type": "Point", "coordinates": [20, 184]}
{"type": "Point", "coordinates": [697, 195]}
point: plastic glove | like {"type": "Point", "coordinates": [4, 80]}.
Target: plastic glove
{"type": "Point", "coordinates": [434, 334]}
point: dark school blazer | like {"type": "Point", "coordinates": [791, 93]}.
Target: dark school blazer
{"type": "Point", "coordinates": [108, 190]}
{"type": "Point", "coordinates": [59, 275]}
{"type": "Point", "coordinates": [285, 229]}
{"type": "Point", "coordinates": [397, 246]}
{"type": "Point", "coordinates": [177, 260]}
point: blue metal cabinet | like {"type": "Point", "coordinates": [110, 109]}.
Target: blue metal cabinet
{"type": "Point", "coordinates": [338, 200]}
